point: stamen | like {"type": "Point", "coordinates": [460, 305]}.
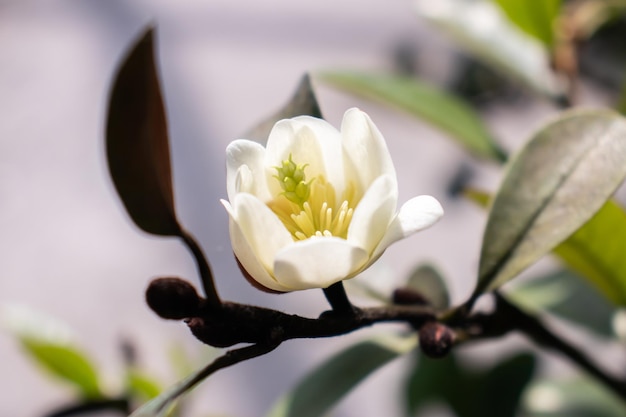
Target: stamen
{"type": "Point", "coordinates": [309, 209]}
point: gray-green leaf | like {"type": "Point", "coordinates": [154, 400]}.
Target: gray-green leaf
{"type": "Point", "coordinates": [436, 107]}
{"type": "Point", "coordinates": [559, 180]}
{"type": "Point", "coordinates": [303, 102]}
{"type": "Point", "coordinates": [480, 28]}
{"type": "Point", "coordinates": [326, 385]}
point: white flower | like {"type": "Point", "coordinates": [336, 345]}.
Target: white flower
{"type": "Point", "coordinates": [316, 206]}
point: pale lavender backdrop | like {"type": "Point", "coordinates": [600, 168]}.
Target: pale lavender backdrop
{"type": "Point", "coordinates": [67, 247]}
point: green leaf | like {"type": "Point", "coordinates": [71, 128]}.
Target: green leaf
{"type": "Point", "coordinates": [436, 107]}
{"type": "Point", "coordinates": [303, 102]}
{"type": "Point", "coordinates": [426, 280]}
{"type": "Point", "coordinates": [65, 362]}
{"type": "Point", "coordinates": [48, 342]}
{"type": "Point", "coordinates": [137, 143]}
{"type": "Point", "coordinates": [559, 180]}
{"type": "Point", "coordinates": [482, 30]}
{"type": "Point", "coordinates": [535, 17]}
{"type": "Point", "coordinates": [582, 397]}
{"type": "Point", "coordinates": [563, 293]}
{"type": "Point", "coordinates": [469, 392]}
{"type": "Point", "coordinates": [319, 391]}
{"type": "Point", "coordinates": [594, 251]}
{"type": "Point", "coordinates": [162, 404]}
{"type": "Point", "coordinates": [142, 385]}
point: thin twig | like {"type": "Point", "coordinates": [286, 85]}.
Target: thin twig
{"type": "Point", "coordinates": [232, 357]}
{"type": "Point", "coordinates": [206, 276]}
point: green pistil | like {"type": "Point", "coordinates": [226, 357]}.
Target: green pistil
{"type": "Point", "coordinates": [293, 181]}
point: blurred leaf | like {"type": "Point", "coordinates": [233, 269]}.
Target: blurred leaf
{"type": "Point", "coordinates": [563, 293]}
{"type": "Point", "coordinates": [49, 342]}
{"type": "Point", "coordinates": [535, 17]}
{"type": "Point", "coordinates": [303, 102]}
{"type": "Point", "coordinates": [161, 405]}
{"type": "Point", "coordinates": [319, 391]}
{"type": "Point", "coordinates": [480, 28]}
{"type": "Point", "coordinates": [571, 398]}
{"type": "Point", "coordinates": [137, 143]}
{"type": "Point", "coordinates": [426, 280]}
{"type": "Point", "coordinates": [434, 106]}
{"type": "Point", "coordinates": [142, 385]}
{"type": "Point", "coordinates": [66, 363]}
{"type": "Point", "coordinates": [559, 180]}
{"type": "Point", "coordinates": [595, 250]}
{"type": "Point", "coordinates": [470, 393]}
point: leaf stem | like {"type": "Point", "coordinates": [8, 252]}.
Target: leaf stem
{"type": "Point", "coordinates": [206, 276]}
{"type": "Point", "coordinates": [338, 299]}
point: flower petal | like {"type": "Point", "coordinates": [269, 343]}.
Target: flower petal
{"type": "Point", "coordinates": [263, 231]}
{"type": "Point", "coordinates": [317, 263]}
{"type": "Point", "coordinates": [241, 153]}
{"type": "Point", "coordinates": [373, 214]}
{"type": "Point", "coordinates": [246, 256]}
{"type": "Point", "coordinates": [416, 214]}
{"type": "Point", "coordinates": [309, 141]}
{"type": "Point", "coordinates": [366, 153]}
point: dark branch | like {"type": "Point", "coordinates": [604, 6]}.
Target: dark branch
{"type": "Point", "coordinates": [507, 317]}
{"type": "Point", "coordinates": [233, 323]}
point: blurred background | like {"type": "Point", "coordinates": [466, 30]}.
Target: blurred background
{"type": "Point", "coordinates": [67, 247]}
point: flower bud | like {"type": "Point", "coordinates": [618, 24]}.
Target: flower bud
{"type": "Point", "coordinates": [436, 339]}
{"type": "Point", "coordinates": [173, 298]}
{"type": "Point", "coordinates": [408, 296]}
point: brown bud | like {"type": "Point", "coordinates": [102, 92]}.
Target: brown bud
{"type": "Point", "coordinates": [408, 296]}
{"type": "Point", "coordinates": [436, 339]}
{"type": "Point", "coordinates": [173, 298]}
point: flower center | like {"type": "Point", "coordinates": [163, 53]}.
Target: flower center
{"type": "Point", "coordinates": [309, 209]}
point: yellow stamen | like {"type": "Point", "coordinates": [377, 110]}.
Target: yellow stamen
{"type": "Point", "coordinates": [313, 209]}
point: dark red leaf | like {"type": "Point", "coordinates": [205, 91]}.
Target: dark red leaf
{"type": "Point", "coordinates": [137, 143]}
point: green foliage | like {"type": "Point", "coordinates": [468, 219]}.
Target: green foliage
{"type": "Point", "coordinates": [535, 17]}
{"type": "Point", "coordinates": [594, 250]}
{"type": "Point", "coordinates": [481, 30]}
{"type": "Point", "coordinates": [319, 391]}
{"type": "Point", "coordinates": [426, 280]}
{"type": "Point", "coordinates": [470, 393]}
{"type": "Point", "coordinates": [579, 397]}
{"type": "Point", "coordinates": [559, 180]}
{"type": "Point", "coordinates": [141, 385]}
{"type": "Point", "coordinates": [65, 362]}
{"type": "Point", "coordinates": [563, 293]}
{"type": "Point", "coordinates": [436, 107]}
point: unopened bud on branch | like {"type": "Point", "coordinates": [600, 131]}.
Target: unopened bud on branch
{"type": "Point", "coordinates": [173, 298]}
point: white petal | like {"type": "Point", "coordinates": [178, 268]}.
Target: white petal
{"type": "Point", "coordinates": [374, 213]}
{"type": "Point", "coordinates": [244, 152]}
{"type": "Point", "coordinates": [246, 256]}
{"type": "Point", "coordinates": [366, 153]}
{"type": "Point", "coordinates": [329, 139]}
{"type": "Point", "coordinates": [317, 263]}
{"type": "Point", "coordinates": [263, 231]}
{"type": "Point", "coordinates": [416, 214]}
{"type": "Point", "coordinates": [309, 141]}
